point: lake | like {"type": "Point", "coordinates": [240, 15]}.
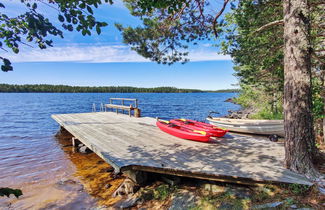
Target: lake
{"type": "Point", "coordinates": [34, 160]}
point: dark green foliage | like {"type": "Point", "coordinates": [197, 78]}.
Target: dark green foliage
{"type": "Point", "coordinates": [149, 5]}
{"type": "Point", "coordinates": [225, 91]}
{"type": "Point", "coordinates": [32, 27]}
{"type": "Point", "coordinates": [258, 55]}
{"type": "Point", "coordinates": [162, 192]}
{"type": "Point", "coordinates": [168, 28]}
{"type": "Point", "coordinates": [43, 88]}
{"type": "Point", "coordinates": [78, 89]}
{"type": "Point", "coordinates": [298, 189]}
{"type": "Point", "coordinates": [6, 66]}
{"type": "Point", "coordinates": [318, 100]}
{"type": "Point", "coordinates": [9, 191]}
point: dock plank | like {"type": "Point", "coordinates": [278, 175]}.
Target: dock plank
{"type": "Point", "coordinates": [136, 143]}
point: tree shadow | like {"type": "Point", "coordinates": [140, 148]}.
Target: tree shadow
{"type": "Point", "coordinates": [234, 156]}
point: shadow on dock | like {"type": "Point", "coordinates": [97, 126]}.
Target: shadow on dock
{"type": "Point", "coordinates": [129, 143]}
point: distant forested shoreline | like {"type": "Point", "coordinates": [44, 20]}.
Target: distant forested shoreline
{"type": "Point", "coordinates": [44, 88]}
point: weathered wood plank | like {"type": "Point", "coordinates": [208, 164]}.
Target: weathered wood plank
{"type": "Point", "coordinates": [136, 143]}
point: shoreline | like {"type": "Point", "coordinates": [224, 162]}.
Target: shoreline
{"type": "Point", "coordinates": [47, 88]}
{"type": "Point", "coordinates": [242, 113]}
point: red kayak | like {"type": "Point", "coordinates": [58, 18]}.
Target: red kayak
{"type": "Point", "coordinates": [182, 132]}
{"type": "Point", "coordinates": [195, 125]}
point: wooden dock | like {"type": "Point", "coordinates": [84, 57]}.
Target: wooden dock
{"type": "Point", "coordinates": [129, 143]}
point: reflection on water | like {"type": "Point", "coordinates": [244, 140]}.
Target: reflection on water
{"type": "Point", "coordinates": [44, 167]}
{"type": "Point", "coordinates": [88, 183]}
{"type": "Point", "coordinates": [45, 183]}
{"type": "Point", "coordinates": [95, 174]}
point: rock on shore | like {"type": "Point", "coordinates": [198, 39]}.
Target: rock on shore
{"type": "Point", "coordinates": [240, 114]}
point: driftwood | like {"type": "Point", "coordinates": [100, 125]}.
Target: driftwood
{"type": "Point", "coordinates": [127, 187]}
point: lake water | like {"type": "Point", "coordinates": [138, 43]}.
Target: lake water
{"type": "Point", "coordinates": [34, 160]}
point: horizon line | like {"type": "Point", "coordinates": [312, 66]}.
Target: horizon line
{"type": "Point", "coordinates": [116, 86]}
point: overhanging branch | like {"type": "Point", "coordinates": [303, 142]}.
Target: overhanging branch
{"type": "Point", "coordinates": [266, 26]}
{"type": "Point", "coordinates": [214, 24]}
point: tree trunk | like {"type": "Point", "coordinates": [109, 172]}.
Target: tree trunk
{"type": "Point", "coordinates": [298, 121]}
{"type": "Point", "coordinates": [323, 96]}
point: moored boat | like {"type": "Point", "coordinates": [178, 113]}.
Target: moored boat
{"type": "Point", "coordinates": [263, 127]}
{"type": "Point", "coordinates": [182, 132]}
{"type": "Point", "coordinates": [196, 125]}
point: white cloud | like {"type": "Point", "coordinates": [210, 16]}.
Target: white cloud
{"type": "Point", "coordinates": [98, 54]}
{"type": "Point", "coordinates": [204, 55]}
{"type": "Point", "coordinates": [89, 54]}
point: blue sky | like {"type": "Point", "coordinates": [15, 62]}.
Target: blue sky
{"type": "Point", "coordinates": [103, 60]}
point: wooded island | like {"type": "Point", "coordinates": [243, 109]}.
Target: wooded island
{"type": "Point", "coordinates": [43, 88]}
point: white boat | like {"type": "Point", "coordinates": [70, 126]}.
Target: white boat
{"type": "Point", "coordinates": [264, 127]}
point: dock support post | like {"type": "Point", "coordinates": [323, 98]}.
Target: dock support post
{"type": "Point", "coordinates": [139, 177]}
{"type": "Point", "coordinates": [73, 141]}
{"type": "Point", "coordinates": [137, 112]}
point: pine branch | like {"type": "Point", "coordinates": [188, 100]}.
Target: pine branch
{"type": "Point", "coordinates": [214, 24]}
{"type": "Point", "coordinates": [266, 26]}
{"type": "Point", "coordinates": [322, 61]}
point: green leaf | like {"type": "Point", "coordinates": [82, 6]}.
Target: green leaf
{"type": "Point", "coordinates": [98, 29]}
{"type": "Point", "coordinates": [89, 9]}
{"type": "Point", "coordinates": [15, 50]}
{"type": "Point", "coordinates": [70, 27]}
{"type": "Point", "coordinates": [82, 5]}
{"type": "Point", "coordinates": [103, 24]}
{"type": "Point", "coordinates": [34, 6]}
{"type": "Point", "coordinates": [61, 18]}
{"type": "Point", "coordinates": [49, 42]}
{"type": "Point", "coordinates": [68, 17]}
{"type": "Point", "coordinates": [6, 61]}
{"type": "Point", "coordinates": [74, 20]}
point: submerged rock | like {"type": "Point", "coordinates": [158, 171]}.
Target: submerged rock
{"type": "Point", "coordinates": [84, 150]}
{"type": "Point", "coordinates": [230, 100]}
{"type": "Point", "coordinates": [127, 203]}
{"type": "Point", "coordinates": [69, 185]}
{"type": "Point", "coordinates": [127, 187]}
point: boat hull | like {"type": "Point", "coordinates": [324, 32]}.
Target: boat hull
{"type": "Point", "coordinates": [195, 125]}
{"type": "Point", "coordinates": [182, 133]}
{"type": "Point", "coordinates": [262, 127]}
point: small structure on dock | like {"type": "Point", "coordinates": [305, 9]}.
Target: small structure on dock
{"type": "Point", "coordinates": [136, 144]}
{"type": "Point", "coordinates": [119, 104]}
